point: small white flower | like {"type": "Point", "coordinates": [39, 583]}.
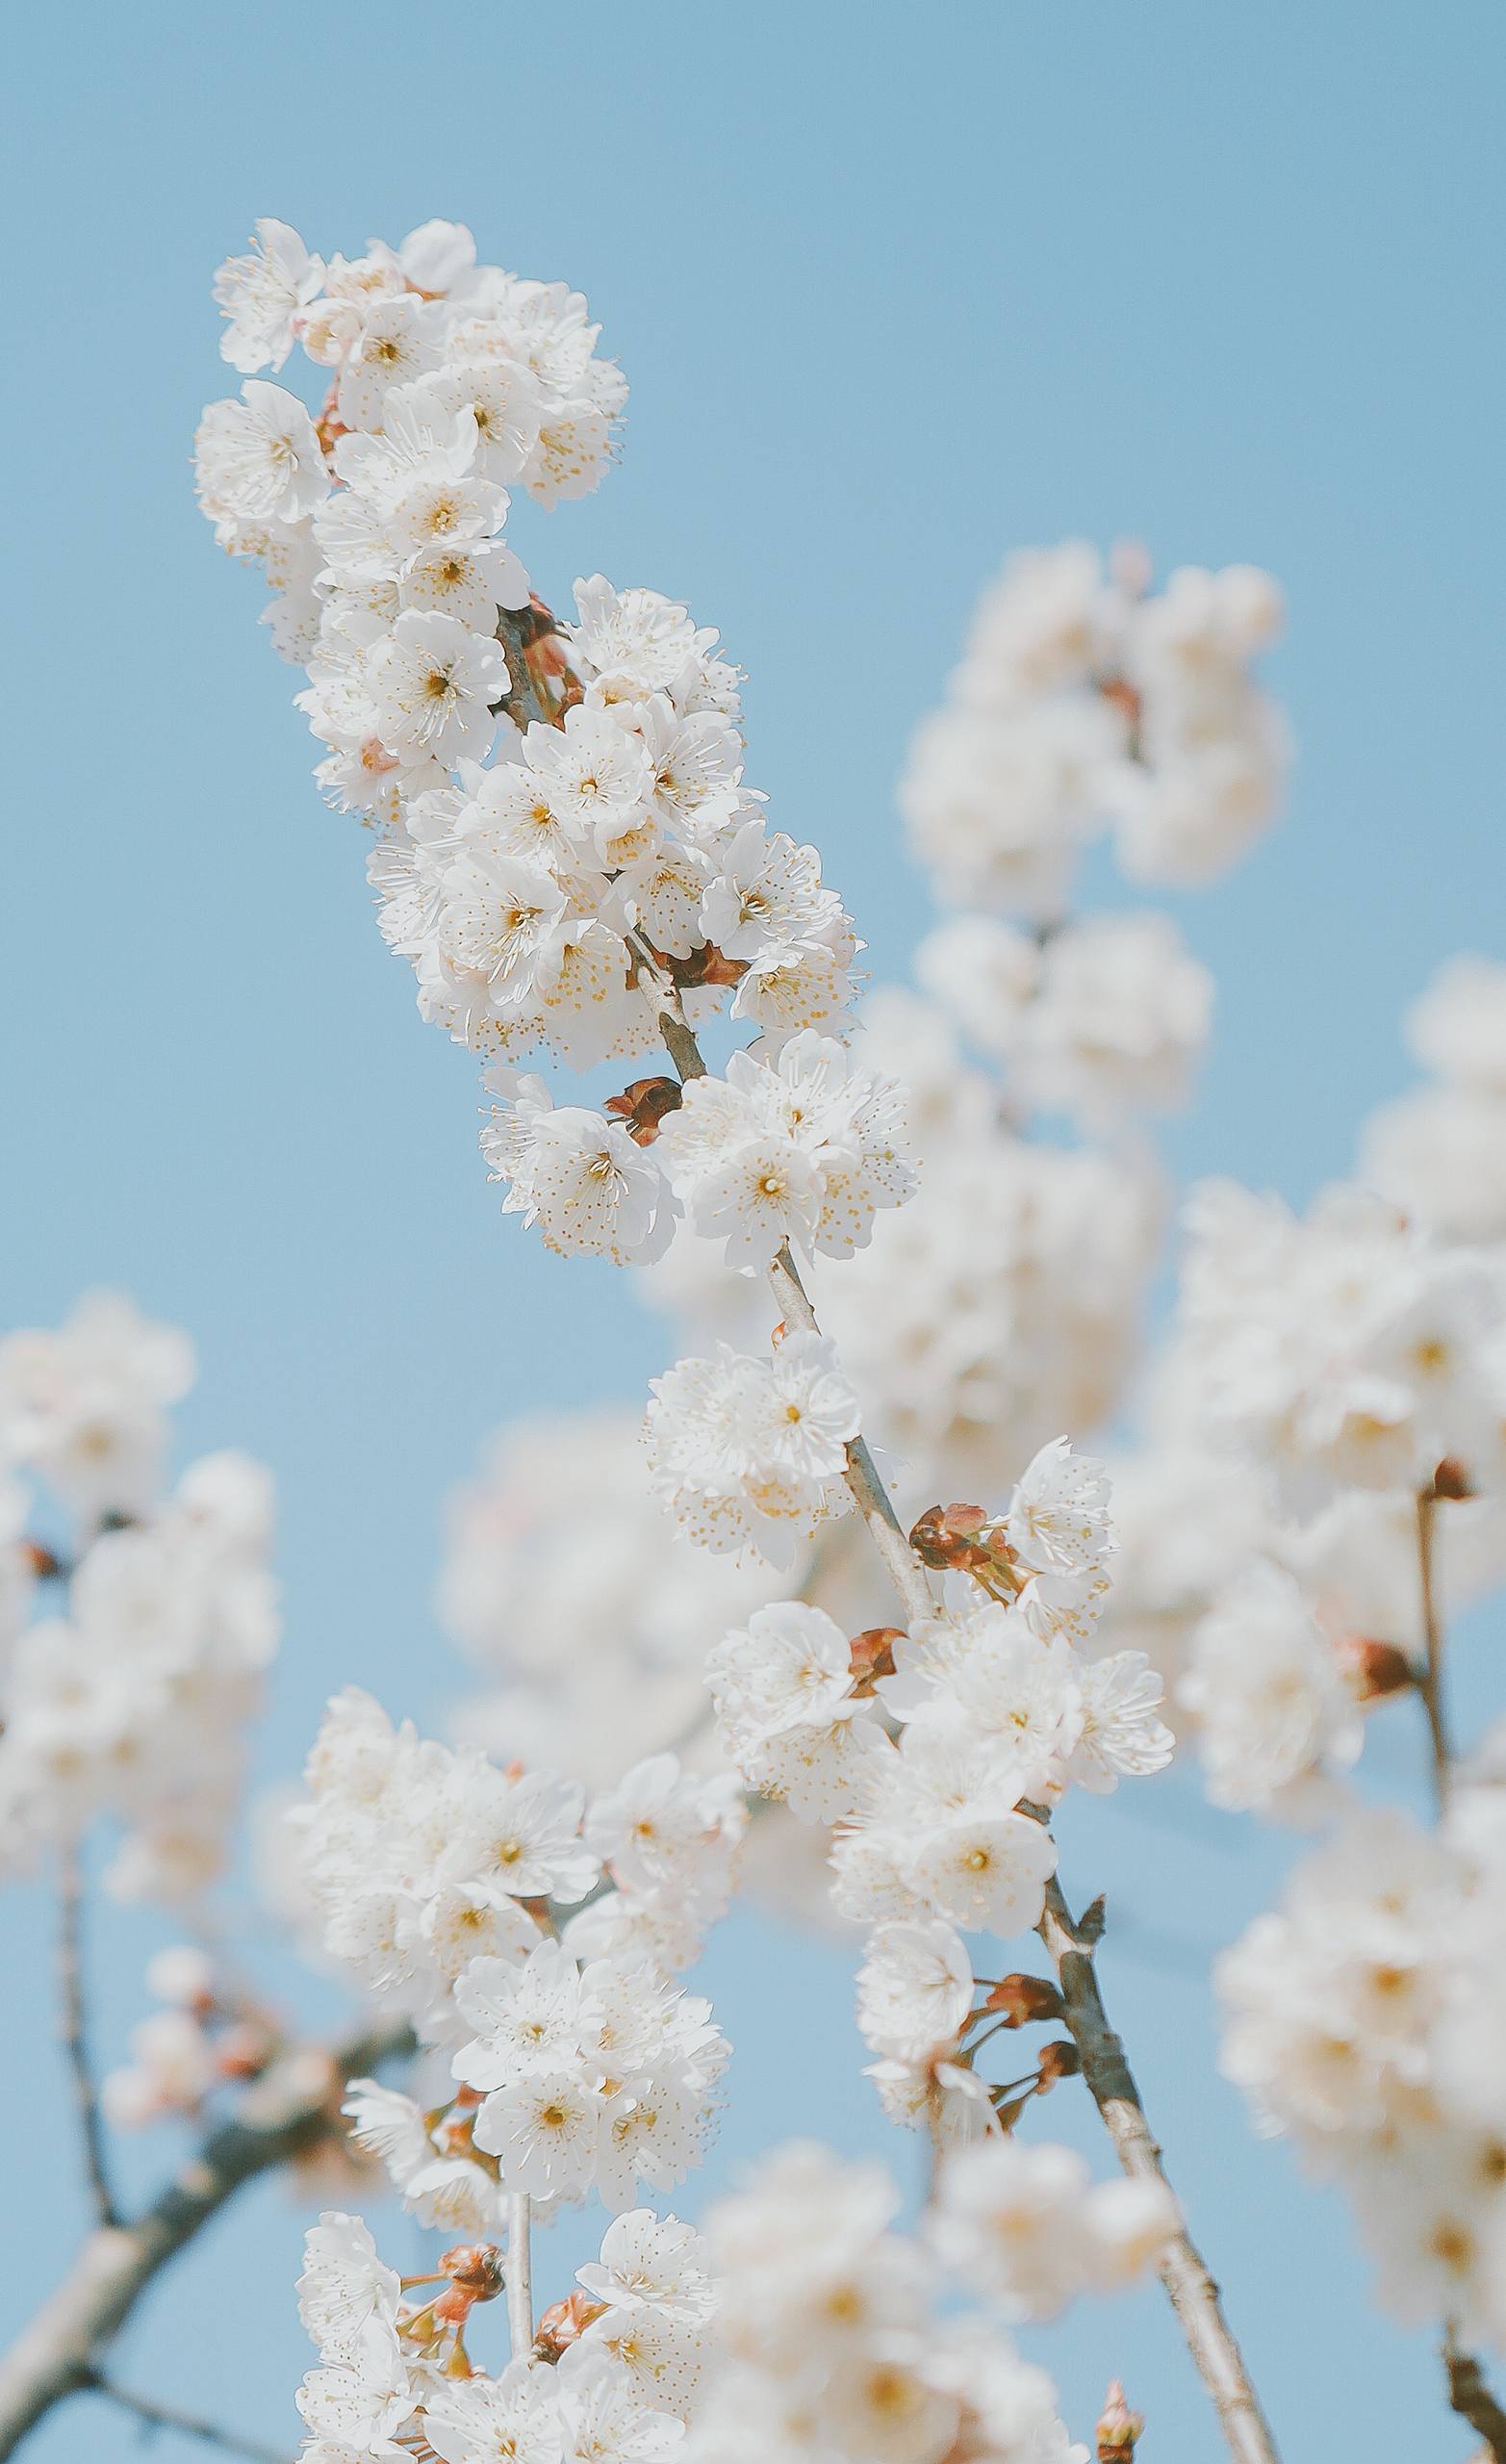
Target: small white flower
{"type": "Point", "coordinates": [914, 1989]}
{"type": "Point", "coordinates": [259, 459]}
{"type": "Point", "coordinates": [433, 683]}
{"type": "Point", "coordinates": [262, 295]}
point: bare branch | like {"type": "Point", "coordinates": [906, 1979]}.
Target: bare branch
{"type": "Point", "coordinates": [154, 2417]}
{"type": "Point", "coordinates": [282, 2118]}
{"type": "Point", "coordinates": [520, 2276]}
{"type": "Point", "coordinates": [74, 2022]}
{"type": "Point", "coordinates": [1184, 2271]}
{"type": "Point", "coordinates": [1472, 2400]}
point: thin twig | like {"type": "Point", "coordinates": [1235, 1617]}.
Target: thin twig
{"type": "Point", "coordinates": [1430, 1679]}
{"type": "Point", "coordinates": [75, 2035]}
{"type": "Point", "coordinates": [154, 2417]}
{"type": "Point", "coordinates": [520, 2276]}
{"type": "Point", "coordinates": [282, 2119]}
{"type": "Point", "coordinates": [1472, 2400]}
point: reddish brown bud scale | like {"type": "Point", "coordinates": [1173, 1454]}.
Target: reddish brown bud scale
{"type": "Point", "coordinates": [644, 1105]}
{"type": "Point", "coordinates": [1451, 1479]}
{"type": "Point", "coordinates": [705, 966]}
{"type": "Point", "coordinates": [1024, 2000]}
{"type": "Point", "coordinates": [872, 1655]}
{"type": "Point", "coordinates": [476, 2268]}
{"type": "Point", "coordinates": [564, 2325]}
{"type": "Point", "coordinates": [1372, 1669]}
{"type": "Point", "coordinates": [1060, 2060]}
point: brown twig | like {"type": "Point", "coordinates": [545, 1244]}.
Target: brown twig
{"type": "Point", "coordinates": [1472, 2401]}
{"type": "Point", "coordinates": [282, 2119]}
{"type": "Point", "coordinates": [154, 2417]}
{"type": "Point", "coordinates": [74, 2022]}
{"type": "Point", "coordinates": [1184, 2271]}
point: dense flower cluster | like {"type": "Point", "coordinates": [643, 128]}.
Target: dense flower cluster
{"type": "Point", "coordinates": [131, 1698]}
{"type": "Point", "coordinates": [830, 2343]}
{"type": "Point", "coordinates": [564, 841]}
{"type": "Point", "coordinates": [936, 1771]}
{"type": "Point", "coordinates": [1363, 2018]}
{"type": "Point", "coordinates": [750, 1452]}
{"type": "Point", "coordinates": [386, 2386]}
{"type": "Point", "coordinates": [579, 2064]}
{"type": "Point", "coordinates": [1352, 1350]}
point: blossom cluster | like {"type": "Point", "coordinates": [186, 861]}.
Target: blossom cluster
{"type": "Point", "coordinates": [1350, 1349]}
{"type": "Point", "coordinates": [616, 2383]}
{"type": "Point", "coordinates": [830, 2343]}
{"type": "Point", "coordinates": [934, 1753]}
{"type": "Point", "coordinates": [441, 1885]}
{"type": "Point", "coordinates": [1362, 2018]}
{"type": "Point", "coordinates": [564, 840]}
{"type": "Point", "coordinates": [130, 1699]}
{"type": "Point", "coordinates": [1086, 700]}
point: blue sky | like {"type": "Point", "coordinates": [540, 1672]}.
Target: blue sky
{"type": "Point", "coordinates": [895, 291]}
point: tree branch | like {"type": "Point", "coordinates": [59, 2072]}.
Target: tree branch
{"type": "Point", "coordinates": [1472, 2400]}
{"type": "Point", "coordinates": [520, 2276]}
{"type": "Point", "coordinates": [154, 2416]}
{"type": "Point", "coordinates": [1193, 2294]}
{"type": "Point", "coordinates": [1184, 2271]}
{"type": "Point", "coordinates": [282, 2118]}
{"type": "Point", "coordinates": [74, 2020]}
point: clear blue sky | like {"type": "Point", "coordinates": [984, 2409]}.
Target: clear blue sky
{"type": "Point", "coordinates": [896, 288]}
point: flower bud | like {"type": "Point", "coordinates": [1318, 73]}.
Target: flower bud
{"type": "Point", "coordinates": [872, 1654]}
{"type": "Point", "coordinates": [1119, 2431]}
{"type": "Point", "coordinates": [1060, 2060]}
{"type": "Point", "coordinates": [1451, 1479]}
{"type": "Point", "coordinates": [476, 2268]}
{"type": "Point", "coordinates": [1024, 2000]}
{"type": "Point", "coordinates": [1372, 1669]}
{"type": "Point", "coordinates": [644, 1105]}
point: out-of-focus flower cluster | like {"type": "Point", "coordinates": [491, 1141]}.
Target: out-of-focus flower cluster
{"type": "Point", "coordinates": [153, 1609]}
{"type": "Point", "coordinates": [1086, 700]}
{"type": "Point", "coordinates": [1362, 2018]}
{"type": "Point", "coordinates": [829, 2338]}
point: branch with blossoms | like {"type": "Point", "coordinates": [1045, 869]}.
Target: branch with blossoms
{"type": "Point", "coordinates": [569, 857]}
{"type": "Point", "coordinates": [136, 1619]}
